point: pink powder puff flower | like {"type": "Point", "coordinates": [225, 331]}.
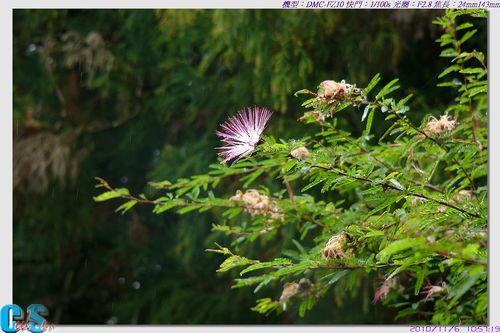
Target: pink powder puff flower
{"type": "Point", "coordinates": [382, 292]}
{"type": "Point", "coordinates": [240, 133]}
{"type": "Point", "coordinates": [430, 290]}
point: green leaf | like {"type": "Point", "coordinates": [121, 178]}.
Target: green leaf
{"type": "Point", "coordinates": [342, 106]}
{"type": "Point", "coordinates": [183, 190]}
{"type": "Point", "coordinates": [336, 276]}
{"type": "Point", "coordinates": [306, 305]}
{"type": "Point", "coordinates": [292, 269]}
{"type": "Point", "coordinates": [314, 183]}
{"type": "Point", "coordinates": [398, 246]}
{"type": "Point", "coordinates": [467, 36]}
{"type": "Point", "coordinates": [309, 102]}
{"type": "Point", "coordinates": [126, 206]}
{"type": "Point", "coordinates": [116, 193]}
{"type": "Point", "coordinates": [385, 204]}
{"type": "Point", "coordinates": [470, 251]}
{"type": "Point", "coordinates": [396, 272]}
{"type": "Point", "coordinates": [405, 313]}
{"type": "Point", "coordinates": [365, 112]}
{"type": "Point", "coordinates": [374, 233]}
{"type": "Point", "coordinates": [483, 13]}
{"type": "Point", "coordinates": [397, 184]}
{"type": "Point", "coordinates": [266, 306]}
{"type": "Point", "coordinates": [164, 206]}
{"type": "Point", "coordinates": [234, 261]}
{"type": "Point", "coordinates": [474, 273]}
{"type": "Point", "coordinates": [479, 56]}
{"type": "Point", "coordinates": [289, 165]}
{"type": "Point", "coordinates": [240, 283]}
{"type": "Point", "coordinates": [186, 209]}
{"type": "Point", "coordinates": [374, 81]}
{"type": "Point", "coordinates": [421, 274]}
{"type": "Point", "coordinates": [221, 249]}
{"type": "Point", "coordinates": [388, 88]}
{"type": "Point", "coordinates": [445, 39]}
{"type": "Point", "coordinates": [299, 247]}
{"type": "Point", "coordinates": [464, 26]}
{"type": "Point", "coordinates": [402, 102]}
{"type": "Point", "coordinates": [263, 284]}
{"type": "Point", "coordinates": [252, 177]}
{"type": "Point", "coordinates": [303, 92]}
{"type": "Point", "coordinates": [231, 212]}
{"type": "Point", "coordinates": [474, 70]}
{"type": "Point", "coordinates": [450, 84]}
{"type": "Point", "coordinates": [453, 68]}
{"type": "Point", "coordinates": [160, 185]}
{"type": "Point", "coordinates": [449, 53]}
{"type": "Point", "coordinates": [478, 90]}
{"type": "Point", "coordinates": [369, 122]}
{"type": "Point", "coordinates": [261, 265]}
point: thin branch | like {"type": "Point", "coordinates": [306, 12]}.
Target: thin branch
{"type": "Point", "coordinates": [427, 185]}
{"type": "Point", "coordinates": [426, 136]}
{"type": "Point", "coordinates": [386, 185]}
{"type": "Point", "coordinates": [361, 266]}
{"type": "Point", "coordinates": [290, 192]}
{"type": "Point", "coordinates": [389, 167]}
{"type": "Point", "coordinates": [237, 172]}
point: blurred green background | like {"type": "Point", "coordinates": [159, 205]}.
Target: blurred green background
{"type": "Point", "coordinates": [136, 95]}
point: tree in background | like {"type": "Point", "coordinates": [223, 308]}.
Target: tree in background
{"type": "Point", "coordinates": [111, 94]}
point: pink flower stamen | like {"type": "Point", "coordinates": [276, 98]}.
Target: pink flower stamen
{"type": "Point", "coordinates": [242, 132]}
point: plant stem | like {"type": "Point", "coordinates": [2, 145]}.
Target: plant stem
{"type": "Point", "coordinates": [419, 195]}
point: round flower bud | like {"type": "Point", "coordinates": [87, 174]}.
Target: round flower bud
{"type": "Point", "coordinates": [334, 90]}
{"type": "Point", "coordinates": [300, 153]}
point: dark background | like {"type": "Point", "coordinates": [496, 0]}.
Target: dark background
{"type": "Point", "coordinates": [136, 95]}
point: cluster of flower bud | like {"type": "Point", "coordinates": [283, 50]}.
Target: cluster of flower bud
{"type": "Point", "coordinates": [442, 125]}
{"type": "Point", "coordinates": [291, 289]}
{"type": "Point", "coordinates": [257, 204]}
{"type": "Point", "coordinates": [334, 248]}
{"type": "Point", "coordinates": [330, 89]}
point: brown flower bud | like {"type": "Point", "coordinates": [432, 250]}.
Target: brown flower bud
{"type": "Point", "coordinates": [289, 290]}
{"type": "Point", "coordinates": [334, 247]}
{"type": "Point", "coordinates": [318, 116]}
{"type": "Point", "coordinates": [437, 126]}
{"type": "Point", "coordinates": [300, 153]}
{"type": "Point", "coordinates": [257, 204]}
{"type": "Point", "coordinates": [463, 196]}
{"type": "Point", "coordinates": [305, 284]}
{"type": "Point", "coordinates": [334, 90]}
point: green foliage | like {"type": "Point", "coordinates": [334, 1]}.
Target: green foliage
{"type": "Point", "coordinates": [135, 96]}
{"type": "Point", "coordinates": [410, 203]}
